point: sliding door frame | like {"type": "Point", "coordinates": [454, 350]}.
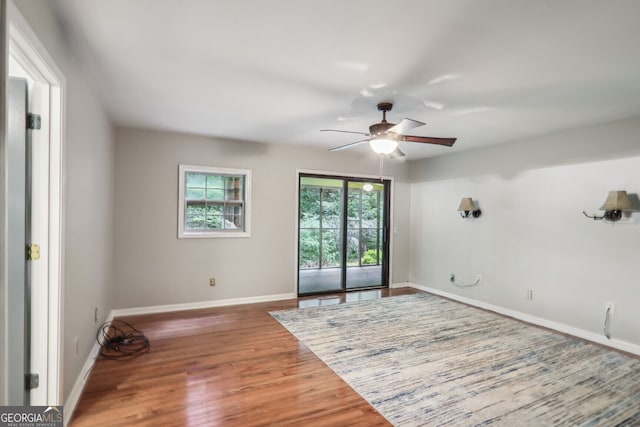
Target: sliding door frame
{"type": "Point", "coordinates": [390, 212]}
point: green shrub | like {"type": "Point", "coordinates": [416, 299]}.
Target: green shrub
{"type": "Point", "coordinates": [370, 257]}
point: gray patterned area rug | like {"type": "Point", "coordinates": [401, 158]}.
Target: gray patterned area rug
{"type": "Point", "coordinates": [423, 360]}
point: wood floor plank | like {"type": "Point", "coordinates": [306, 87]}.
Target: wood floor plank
{"type": "Point", "coordinates": [231, 366]}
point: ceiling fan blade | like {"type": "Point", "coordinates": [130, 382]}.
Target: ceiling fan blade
{"type": "Point", "coordinates": [405, 125]}
{"type": "Point", "coordinates": [345, 131]}
{"type": "Point", "coordinates": [428, 140]}
{"type": "Point", "coordinates": [353, 144]}
{"type": "Point", "coordinates": [396, 154]}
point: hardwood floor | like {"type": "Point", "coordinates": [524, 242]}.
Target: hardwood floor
{"type": "Point", "coordinates": [232, 366]}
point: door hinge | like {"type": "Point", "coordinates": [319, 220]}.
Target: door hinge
{"type": "Point", "coordinates": [33, 252]}
{"type": "Point", "coordinates": [34, 121]}
{"type": "Point", "coordinates": [32, 381]}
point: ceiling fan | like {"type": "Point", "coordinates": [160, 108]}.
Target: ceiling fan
{"type": "Point", "coordinates": [384, 137]}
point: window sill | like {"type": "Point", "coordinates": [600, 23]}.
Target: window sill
{"type": "Point", "coordinates": [212, 234]}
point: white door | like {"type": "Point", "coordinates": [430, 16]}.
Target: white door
{"type": "Point", "coordinates": [19, 252]}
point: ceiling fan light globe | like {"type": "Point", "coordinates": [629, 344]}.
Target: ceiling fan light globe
{"type": "Point", "coordinates": [383, 145]}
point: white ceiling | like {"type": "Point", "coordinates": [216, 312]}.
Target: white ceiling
{"type": "Point", "coordinates": [278, 71]}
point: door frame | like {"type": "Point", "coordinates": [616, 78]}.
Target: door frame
{"type": "Point", "coordinates": [25, 48]}
{"type": "Point", "coordinates": [344, 175]}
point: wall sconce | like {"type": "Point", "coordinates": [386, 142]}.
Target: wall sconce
{"type": "Point", "coordinates": [468, 208]}
{"type": "Point", "coordinates": [616, 203]}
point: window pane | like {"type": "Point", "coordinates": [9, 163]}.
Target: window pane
{"type": "Point", "coordinates": [370, 206]}
{"type": "Point", "coordinates": [215, 181]}
{"type": "Point", "coordinates": [234, 182]}
{"type": "Point", "coordinates": [214, 209]}
{"type": "Point", "coordinates": [215, 194]}
{"type": "Point", "coordinates": [195, 193]}
{"type": "Point", "coordinates": [195, 179]}
{"type": "Point", "coordinates": [331, 208]}
{"type": "Point", "coordinates": [195, 222]}
{"type": "Point", "coordinates": [309, 207]}
{"type": "Point", "coordinates": [309, 249]}
{"type": "Point", "coordinates": [195, 216]}
{"type": "Point", "coordinates": [233, 216]}
{"type": "Point", "coordinates": [353, 247]}
{"type": "Point", "coordinates": [234, 188]}
{"type": "Point", "coordinates": [353, 223]}
{"type": "Point", "coordinates": [232, 222]}
{"type": "Point", "coordinates": [370, 257]}
{"type": "Point", "coordinates": [354, 204]}
{"type": "Point", "coordinates": [213, 217]}
{"type": "Point", "coordinates": [214, 222]}
{"type": "Point", "coordinates": [331, 248]}
{"type": "Point", "coordinates": [370, 247]}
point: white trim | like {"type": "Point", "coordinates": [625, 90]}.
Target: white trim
{"type": "Point", "coordinates": [199, 305]}
{"type": "Point", "coordinates": [392, 227]}
{"type": "Point", "coordinates": [81, 381]}
{"type": "Point", "coordinates": [556, 326]}
{"type": "Point", "coordinates": [341, 174]}
{"type": "Point", "coordinates": [402, 285]}
{"type": "Point", "coordinates": [296, 220]}
{"type": "Point", "coordinates": [29, 52]}
{"type": "Point", "coordinates": [182, 233]}
{"type": "Point", "coordinates": [392, 190]}
{"type": "Point", "coordinates": [4, 195]}
{"type": "Point", "coordinates": [76, 391]}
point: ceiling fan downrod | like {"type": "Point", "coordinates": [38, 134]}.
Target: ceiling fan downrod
{"type": "Point", "coordinates": [384, 107]}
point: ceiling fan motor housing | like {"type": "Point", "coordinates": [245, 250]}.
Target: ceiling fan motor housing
{"type": "Point", "coordinates": [380, 128]}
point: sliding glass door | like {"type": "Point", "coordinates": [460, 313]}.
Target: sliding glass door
{"type": "Point", "coordinates": [320, 224]}
{"type": "Point", "coordinates": [365, 234]}
{"type": "Point", "coordinates": [343, 228]}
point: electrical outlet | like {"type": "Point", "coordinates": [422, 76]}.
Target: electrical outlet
{"type": "Point", "coordinates": [610, 307]}
{"type": "Point", "coordinates": [212, 281]}
{"type": "Point", "coordinates": [529, 294]}
{"type": "Point", "coordinates": [452, 277]}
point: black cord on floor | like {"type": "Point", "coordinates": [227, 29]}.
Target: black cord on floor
{"type": "Point", "coordinates": [119, 340]}
{"type": "Point", "coordinates": [606, 323]}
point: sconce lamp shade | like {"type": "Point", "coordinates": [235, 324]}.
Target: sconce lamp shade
{"type": "Point", "coordinates": [466, 205]}
{"type": "Point", "coordinates": [383, 145]}
{"type": "Point", "coordinates": [468, 208]}
{"type": "Point", "coordinates": [617, 201]}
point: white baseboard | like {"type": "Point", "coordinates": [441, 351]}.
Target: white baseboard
{"type": "Point", "coordinates": [72, 401]}
{"type": "Point", "coordinates": [402, 285]}
{"type": "Point", "coordinates": [200, 304]}
{"type": "Point", "coordinates": [560, 327]}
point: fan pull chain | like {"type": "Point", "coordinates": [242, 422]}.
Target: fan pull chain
{"type": "Point", "coordinates": [381, 159]}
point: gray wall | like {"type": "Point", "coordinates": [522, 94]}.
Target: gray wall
{"type": "Point", "coordinates": [88, 162]}
{"type": "Point", "coordinates": [154, 267]}
{"type": "Point", "coordinates": [532, 234]}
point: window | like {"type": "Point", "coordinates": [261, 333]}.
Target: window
{"type": "Point", "coordinates": [214, 202]}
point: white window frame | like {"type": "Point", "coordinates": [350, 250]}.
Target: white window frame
{"type": "Point", "coordinates": [183, 233]}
